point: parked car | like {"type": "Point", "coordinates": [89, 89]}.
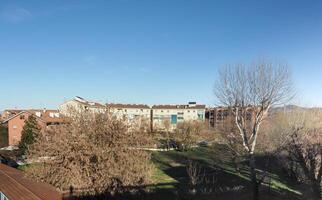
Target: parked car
{"type": "Point", "coordinates": [8, 161]}
{"type": "Point", "coordinates": [164, 144]}
{"type": "Point", "coordinates": [203, 143]}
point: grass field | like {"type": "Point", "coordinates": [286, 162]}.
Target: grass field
{"type": "Point", "coordinates": [171, 180]}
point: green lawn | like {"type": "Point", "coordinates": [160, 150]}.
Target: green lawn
{"type": "Point", "coordinates": [170, 175]}
{"type": "Point", "coordinates": [170, 179]}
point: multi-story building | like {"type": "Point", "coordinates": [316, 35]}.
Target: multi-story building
{"type": "Point", "coordinates": [130, 111]}
{"type": "Point", "coordinates": [8, 113]}
{"type": "Point", "coordinates": [15, 123]}
{"type": "Point", "coordinates": [80, 104]}
{"type": "Point", "coordinates": [175, 114]}
{"type": "Point", "coordinates": [155, 115]}
{"type": "Point", "coordinates": [216, 117]}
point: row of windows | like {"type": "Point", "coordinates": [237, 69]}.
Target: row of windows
{"type": "Point", "coordinates": [178, 112]}
{"type": "Point", "coordinates": [125, 110]}
{"type": "Point", "coordinates": [156, 117]}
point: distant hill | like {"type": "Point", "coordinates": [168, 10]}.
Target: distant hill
{"type": "Point", "coordinates": [289, 108]}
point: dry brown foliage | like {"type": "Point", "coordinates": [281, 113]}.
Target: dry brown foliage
{"type": "Point", "coordinates": [297, 139]}
{"type": "Point", "coordinates": [230, 136]}
{"type": "Point", "coordinates": [186, 133]}
{"type": "Point", "coordinates": [94, 153]}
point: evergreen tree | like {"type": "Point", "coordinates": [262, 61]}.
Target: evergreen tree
{"type": "Point", "coordinates": [3, 136]}
{"type": "Point", "coordinates": [29, 134]}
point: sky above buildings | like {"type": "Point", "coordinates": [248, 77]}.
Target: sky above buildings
{"type": "Point", "coordinates": [150, 51]}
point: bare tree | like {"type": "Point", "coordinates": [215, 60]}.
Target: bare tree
{"type": "Point", "coordinates": [167, 127]}
{"type": "Point", "coordinates": [300, 147]}
{"type": "Point", "coordinates": [196, 175]}
{"type": "Point", "coordinates": [186, 133]}
{"type": "Point", "coordinates": [259, 87]}
{"type": "Point", "coordinates": [229, 135]}
{"type": "Point", "coordinates": [93, 153]}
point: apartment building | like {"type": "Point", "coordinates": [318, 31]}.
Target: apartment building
{"type": "Point", "coordinates": [175, 114]}
{"type": "Point", "coordinates": [156, 115]}
{"type": "Point", "coordinates": [130, 111]}
{"type": "Point", "coordinates": [79, 104]}
{"type": "Point", "coordinates": [15, 123]}
{"type": "Point", "coordinates": [8, 113]}
{"type": "Point", "coordinates": [215, 117]}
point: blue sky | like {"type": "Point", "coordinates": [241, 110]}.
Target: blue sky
{"type": "Point", "coordinates": [150, 51]}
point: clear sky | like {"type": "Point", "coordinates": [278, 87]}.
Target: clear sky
{"type": "Point", "coordinates": [150, 51]}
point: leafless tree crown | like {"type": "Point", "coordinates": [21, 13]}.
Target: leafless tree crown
{"type": "Point", "coordinates": [254, 88]}
{"type": "Point", "coordinates": [260, 84]}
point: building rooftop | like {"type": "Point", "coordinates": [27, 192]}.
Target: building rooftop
{"type": "Point", "coordinates": [88, 103]}
{"type": "Point", "coordinates": [47, 116]}
{"type": "Point", "coordinates": [119, 105]}
{"type": "Point", "coordinates": [16, 186]}
{"type": "Point", "coordinates": [188, 106]}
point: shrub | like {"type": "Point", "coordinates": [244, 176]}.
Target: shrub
{"type": "Point", "coordinates": [94, 153]}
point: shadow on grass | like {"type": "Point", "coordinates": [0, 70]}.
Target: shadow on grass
{"type": "Point", "coordinates": [221, 180]}
{"type": "Point", "coordinates": [229, 184]}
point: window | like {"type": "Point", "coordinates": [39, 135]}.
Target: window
{"type": "Point", "coordinates": [14, 126]}
{"type": "Point", "coordinates": [200, 116]}
{"type": "Point", "coordinates": [22, 117]}
{"type": "Point", "coordinates": [162, 111]}
{"type": "Point", "coordinates": [38, 114]}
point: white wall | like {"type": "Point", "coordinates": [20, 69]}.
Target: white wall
{"type": "Point", "coordinates": [160, 115]}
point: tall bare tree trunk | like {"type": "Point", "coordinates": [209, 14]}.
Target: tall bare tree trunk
{"type": "Point", "coordinates": [253, 177]}
{"type": "Point", "coordinates": [253, 89]}
{"type": "Point", "coordinates": [316, 187]}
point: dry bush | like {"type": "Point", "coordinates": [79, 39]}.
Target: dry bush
{"type": "Point", "coordinates": [166, 134]}
{"type": "Point", "coordinates": [94, 153]}
{"type": "Point", "coordinates": [298, 142]}
{"type": "Point", "coordinates": [230, 136]}
{"type": "Point", "coordinates": [304, 149]}
{"type": "Point", "coordinates": [196, 175]}
{"type": "Point", "coordinates": [186, 134]}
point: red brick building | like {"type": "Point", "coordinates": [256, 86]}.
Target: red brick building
{"type": "Point", "coordinates": [215, 117]}
{"type": "Point", "coordinates": [16, 121]}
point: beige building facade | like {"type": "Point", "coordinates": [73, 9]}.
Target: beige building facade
{"type": "Point", "coordinates": [175, 114]}
{"type": "Point", "coordinates": [80, 104]}
{"type": "Point", "coordinates": [157, 115]}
